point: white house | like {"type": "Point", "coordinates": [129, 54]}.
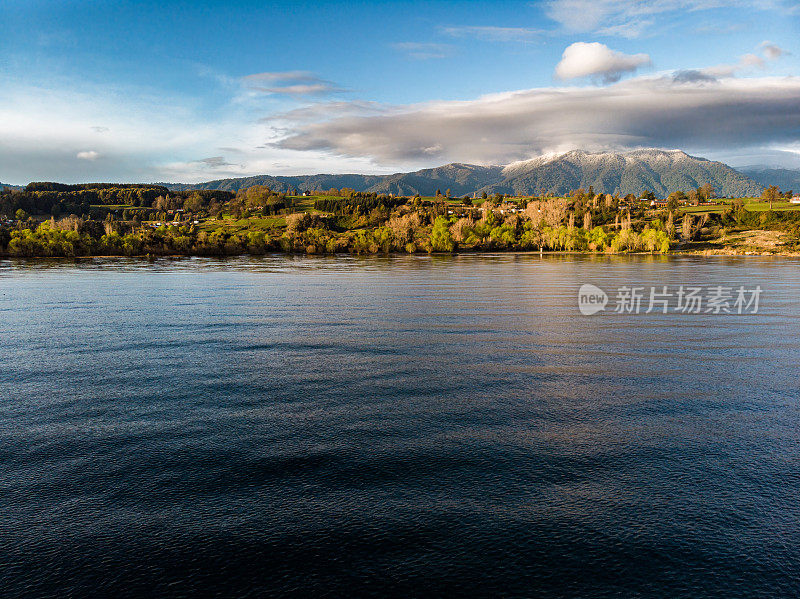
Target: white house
{"type": "Point", "coordinates": [795, 200]}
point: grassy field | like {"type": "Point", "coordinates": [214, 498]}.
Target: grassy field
{"type": "Point", "coordinates": [306, 204]}
{"type": "Point", "coordinates": [764, 206]}
{"type": "Point", "coordinates": [118, 206]}
{"type": "Point", "coordinates": [750, 204]}
{"type": "Point", "coordinates": [254, 223]}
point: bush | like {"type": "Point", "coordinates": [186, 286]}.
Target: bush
{"type": "Point", "coordinates": [440, 237]}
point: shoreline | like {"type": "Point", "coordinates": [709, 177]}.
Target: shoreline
{"type": "Point", "coordinates": [152, 257]}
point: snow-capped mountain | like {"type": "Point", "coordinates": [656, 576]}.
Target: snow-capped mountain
{"type": "Point", "coordinates": [659, 171]}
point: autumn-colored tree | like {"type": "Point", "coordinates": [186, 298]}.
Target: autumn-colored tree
{"type": "Point", "coordinates": [674, 199]}
{"type": "Point", "coordinates": [771, 194]}
{"type": "Point", "coordinates": [686, 227]}
{"type": "Point", "coordinates": [707, 192]}
{"type": "Point", "coordinates": [670, 228]}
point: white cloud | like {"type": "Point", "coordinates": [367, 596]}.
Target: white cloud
{"type": "Point", "coordinates": [275, 77]}
{"type": "Point", "coordinates": [746, 62]}
{"type": "Point", "coordinates": [494, 34]}
{"type": "Point", "coordinates": [772, 51]}
{"type": "Point", "coordinates": [716, 28]}
{"type": "Point", "coordinates": [215, 162]}
{"type": "Point", "coordinates": [424, 50]}
{"type": "Point", "coordinates": [154, 136]}
{"type": "Point", "coordinates": [322, 111]}
{"type": "Point", "coordinates": [583, 59]}
{"type": "Point", "coordinates": [151, 135]}
{"type": "Point", "coordinates": [632, 18]}
{"type": "Point", "coordinates": [290, 83]}
{"type": "Point", "coordinates": [500, 128]}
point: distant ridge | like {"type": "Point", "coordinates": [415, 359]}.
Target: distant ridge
{"type": "Point", "coordinates": [9, 186]}
{"type": "Point", "coordinates": [619, 173]}
{"type": "Point", "coordinates": [785, 178]}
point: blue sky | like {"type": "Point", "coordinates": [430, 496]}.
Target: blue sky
{"type": "Point", "coordinates": [191, 91]}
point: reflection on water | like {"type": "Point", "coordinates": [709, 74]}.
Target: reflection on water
{"type": "Point", "coordinates": [404, 425]}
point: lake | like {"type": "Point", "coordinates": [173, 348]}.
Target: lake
{"type": "Point", "coordinates": [398, 426]}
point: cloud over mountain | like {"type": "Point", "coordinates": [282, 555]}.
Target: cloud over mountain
{"type": "Point", "coordinates": [497, 128]}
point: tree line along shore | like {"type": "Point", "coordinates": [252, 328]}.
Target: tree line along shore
{"type": "Point", "coordinates": [58, 220]}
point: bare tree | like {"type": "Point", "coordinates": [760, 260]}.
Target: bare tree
{"type": "Point", "coordinates": [686, 227]}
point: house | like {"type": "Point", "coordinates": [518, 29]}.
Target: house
{"type": "Point", "coordinates": [795, 200]}
{"type": "Point", "coordinates": [306, 193]}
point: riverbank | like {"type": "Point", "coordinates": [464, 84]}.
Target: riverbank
{"type": "Point", "coordinates": [382, 225]}
{"type": "Point", "coordinates": [757, 242]}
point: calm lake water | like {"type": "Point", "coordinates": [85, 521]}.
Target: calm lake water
{"type": "Point", "coordinates": [401, 426]}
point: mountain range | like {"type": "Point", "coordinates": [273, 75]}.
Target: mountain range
{"type": "Point", "coordinates": [785, 178]}
{"type": "Point", "coordinates": [619, 173]}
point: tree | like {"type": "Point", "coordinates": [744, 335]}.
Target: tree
{"type": "Point", "coordinates": [771, 194]}
{"type": "Point", "coordinates": [670, 228]}
{"type": "Point", "coordinates": [678, 195]}
{"type": "Point", "coordinates": [648, 195]}
{"type": "Point", "coordinates": [672, 203]}
{"type": "Point", "coordinates": [738, 207]}
{"type": "Point", "coordinates": [441, 238]}
{"type": "Point", "coordinates": [194, 203]}
{"type": "Point", "coordinates": [686, 227]}
{"type": "Point", "coordinates": [577, 194]}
